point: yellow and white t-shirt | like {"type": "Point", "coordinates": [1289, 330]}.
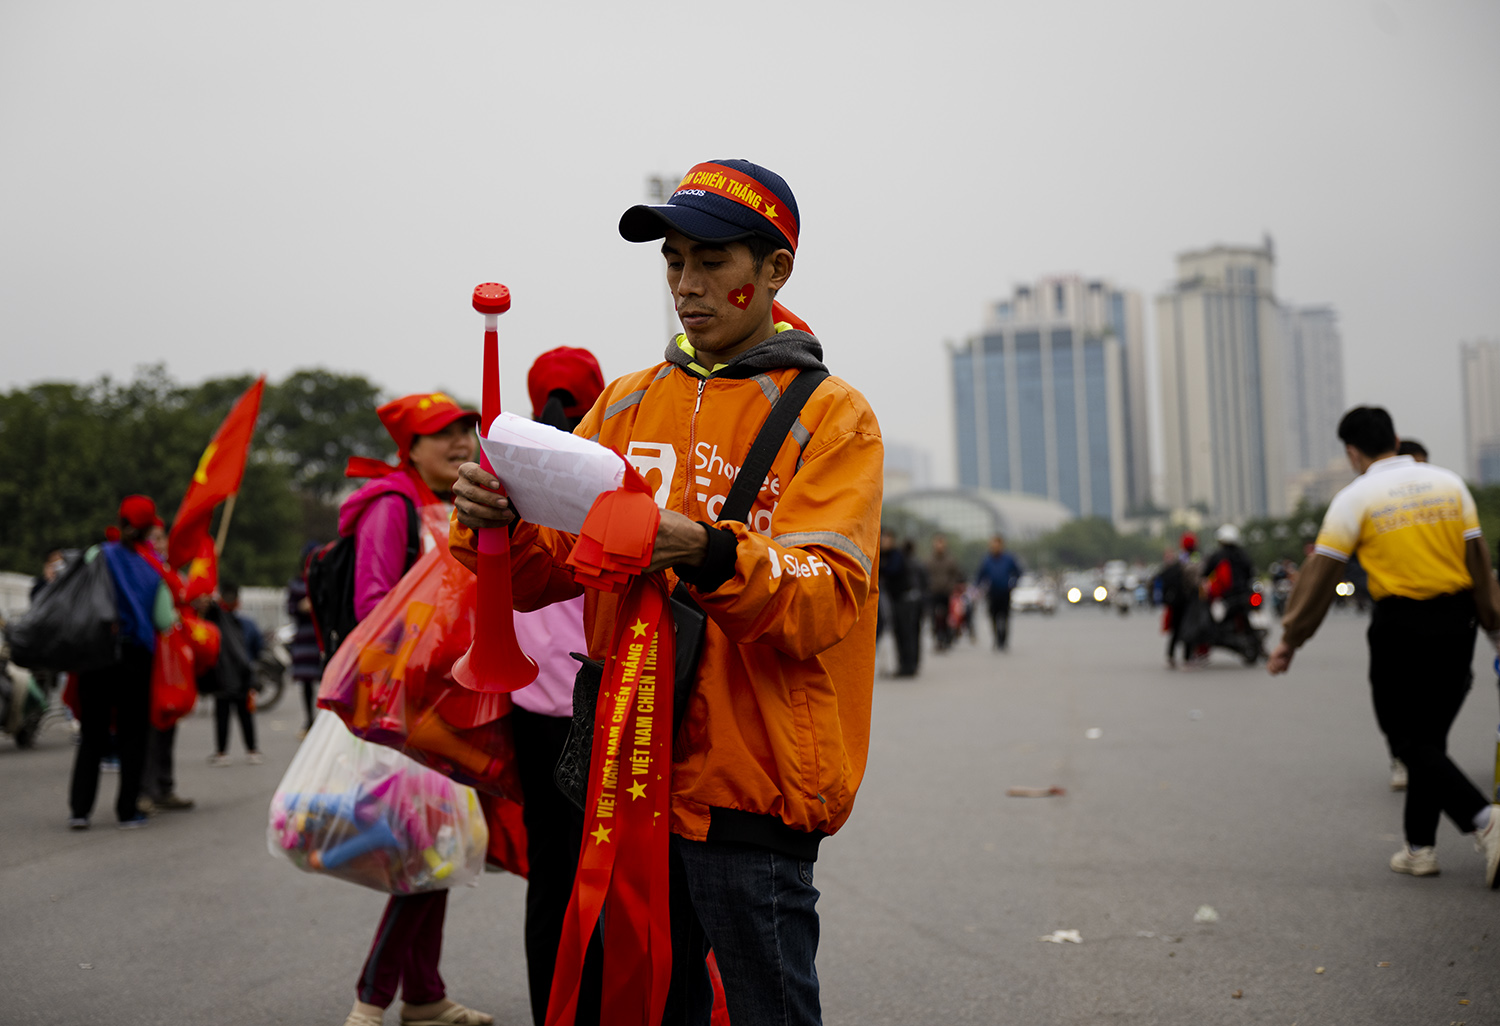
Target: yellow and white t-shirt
{"type": "Point", "coordinates": [1409, 521]}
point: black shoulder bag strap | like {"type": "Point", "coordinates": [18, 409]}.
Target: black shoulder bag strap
{"type": "Point", "coordinates": [688, 616]}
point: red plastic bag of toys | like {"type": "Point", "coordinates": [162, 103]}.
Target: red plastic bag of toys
{"type": "Point", "coordinates": [391, 680]}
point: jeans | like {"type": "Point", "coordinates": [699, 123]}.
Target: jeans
{"type": "Point", "coordinates": [756, 909]}
{"type": "Point", "coordinates": [120, 694]}
{"type": "Point", "coordinates": [224, 707]}
{"type": "Point", "coordinates": [1420, 673]}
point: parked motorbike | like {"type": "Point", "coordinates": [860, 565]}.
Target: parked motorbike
{"type": "Point", "coordinates": [273, 669]}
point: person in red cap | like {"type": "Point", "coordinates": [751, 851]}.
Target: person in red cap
{"type": "Point", "coordinates": [773, 744]}
{"type": "Point", "coordinates": [121, 693]}
{"type": "Point", "coordinates": [434, 436]}
{"type": "Point", "coordinates": [563, 384]}
{"type": "Point", "coordinates": [1178, 580]}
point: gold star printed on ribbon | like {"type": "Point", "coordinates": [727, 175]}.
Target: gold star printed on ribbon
{"type": "Point", "coordinates": [637, 790]}
{"type": "Point", "coordinates": [771, 210]}
{"type": "Point", "coordinates": [639, 628]}
{"type": "Point", "coordinates": [601, 835]}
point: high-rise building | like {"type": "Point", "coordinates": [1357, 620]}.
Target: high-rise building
{"type": "Point", "coordinates": [1479, 370]}
{"type": "Point", "coordinates": [1050, 399]}
{"type": "Point", "coordinates": [1313, 400]}
{"type": "Point", "coordinates": [1219, 353]}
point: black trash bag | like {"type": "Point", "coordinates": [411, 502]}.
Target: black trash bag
{"type": "Point", "coordinates": [73, 625]}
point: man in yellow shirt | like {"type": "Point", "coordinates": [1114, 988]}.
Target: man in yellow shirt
{"type": "Point", "coordinates": [1416, 530]}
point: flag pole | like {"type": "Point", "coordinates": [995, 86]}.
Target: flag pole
{"type": "Point", "coordinates": [224, 524]}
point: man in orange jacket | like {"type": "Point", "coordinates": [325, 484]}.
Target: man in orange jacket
{"type": "Point", "coordinates": [773, 743]}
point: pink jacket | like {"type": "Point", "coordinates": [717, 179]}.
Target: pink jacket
{"type": "Point", "coordinates": [377, 518]}
{"type": "Point", "coordinates": [548, 635]}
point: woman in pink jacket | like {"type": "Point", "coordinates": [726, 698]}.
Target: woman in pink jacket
{"type": "Point", "coordinates": [434, 436]}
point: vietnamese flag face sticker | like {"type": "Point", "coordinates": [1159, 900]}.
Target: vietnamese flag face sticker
{"type": "Point", "coordinates": [740, 297]}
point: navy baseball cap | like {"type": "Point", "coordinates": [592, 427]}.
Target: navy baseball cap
{"type": "Point", "coordinates": [720, 201]}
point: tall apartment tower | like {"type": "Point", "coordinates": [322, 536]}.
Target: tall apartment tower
{"type": "Point", "coordinates": [1050, 399]}
{"type": "Point", "coordinates": [1219, 352]}
{"type": "Point", "coordinates": [1479, 370]}
{"type": "Point", "coordinates": [1313, 394]}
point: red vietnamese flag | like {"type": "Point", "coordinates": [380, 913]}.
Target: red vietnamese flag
{"type": "Point", "coordinates": [202, 570]}
{"type": "Point", "coordinates": [218, 476]}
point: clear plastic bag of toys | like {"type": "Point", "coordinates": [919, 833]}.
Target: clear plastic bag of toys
{"type": "Point", "coordinates": [368, 814]}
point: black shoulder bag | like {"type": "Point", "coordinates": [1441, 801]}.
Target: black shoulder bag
{"type": "Point", "coordinates": [572, 773]}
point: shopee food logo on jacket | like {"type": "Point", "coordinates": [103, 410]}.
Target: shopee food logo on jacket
{"type": "Point", "coordinates": [715, 472]}
{"type": "Point", "coordinates": [657, 463]}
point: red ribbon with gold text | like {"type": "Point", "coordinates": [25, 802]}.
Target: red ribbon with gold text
{"type": "Point", "coordinates": [623, 861]}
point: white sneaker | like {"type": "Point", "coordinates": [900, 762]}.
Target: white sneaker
{"type": "Point", "coordinates": [1398, 775]}
{"type": "Point", "coordinates": [1418, 861]}
{"type": "Point", "coordinates": [1487, 841]}
{"type": "Point", "coordinates": [218, 759]}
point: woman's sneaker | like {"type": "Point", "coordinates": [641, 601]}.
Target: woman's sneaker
{"type": "Point", "coordinates": [1488, 843]}
{"type": "Point", "coordinates": [218, 759]}
{"type": "Point", "coordinates": [1416, 861]}
{"type": "Point", "coordinates": [1398, 775]}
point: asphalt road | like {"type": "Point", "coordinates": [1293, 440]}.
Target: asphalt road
{"type": "Point", "coordinates": [1263, 799]}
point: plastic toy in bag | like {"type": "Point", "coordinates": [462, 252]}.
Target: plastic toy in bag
{"type": "Point", "coordinates": [391, 679]}
{"type": "Point", "coordinates": [367, 814]}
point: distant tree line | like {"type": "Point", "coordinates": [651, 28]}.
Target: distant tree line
{"type": "Point", "coordinates": [69, 452]}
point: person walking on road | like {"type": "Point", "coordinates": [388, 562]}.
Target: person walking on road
{"type": "Point", "coordinates": [998, 575]}
{"type": "Point", "coordinates": [119, 695]}
{"type": "Point", "coordinates": [234, 675]}
{"type": "Point", "coordinates": [1416, 529]}
{"type": "Point", "coordinates": [943, 576]}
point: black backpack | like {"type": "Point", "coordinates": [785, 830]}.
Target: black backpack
{"type": "Point", "coordinates": [329, 574]}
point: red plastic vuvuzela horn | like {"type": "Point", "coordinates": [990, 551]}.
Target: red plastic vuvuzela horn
{"type": "Point", "coordinates": [494, 662]}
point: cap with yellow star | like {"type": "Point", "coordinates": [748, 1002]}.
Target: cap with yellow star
{"type": "Point", "coordinates": [721, 201]}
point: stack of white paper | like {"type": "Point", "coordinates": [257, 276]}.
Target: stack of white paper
{"type": "Point", "coordinates": [552, 477]}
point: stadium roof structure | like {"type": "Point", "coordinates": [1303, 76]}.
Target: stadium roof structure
{"type": "Point", "coordinates": [976, 514]}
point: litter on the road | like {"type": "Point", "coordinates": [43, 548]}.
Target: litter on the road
{"type": "Point", "coordinates": [1063, 937]}
{"type": "Point", "coordinates": [1093, 733]}
{"type": "Point", "coordinates": [85, 965]}
{"type": "Point", "coordinates": [1319, 970]}
{"type": "Point", "coordinates": [1238, 994]}
{"type": "Point", "coordinates": [1033, 792]}
{"type": "Point", "coordinates": [1206, 914]}
{"type": "Point", "coordinates": [1195, 714]}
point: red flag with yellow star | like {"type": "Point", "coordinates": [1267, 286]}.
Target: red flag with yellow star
{"type": "Point", "coordinates": [218, 476]}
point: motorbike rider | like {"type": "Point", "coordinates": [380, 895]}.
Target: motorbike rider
{"type": "Point", "coordinates": [1227, 576]}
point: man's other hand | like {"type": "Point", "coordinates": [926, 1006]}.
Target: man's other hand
{"type": "Point", "coordinates": [1281, 659]}
{"type": "Point", "coordinates": [477, 502]}
{"type": "Point", "coordinates": [679, 542]}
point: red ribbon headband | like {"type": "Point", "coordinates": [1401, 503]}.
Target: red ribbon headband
{"type": "Point", "coordinates": [744, 190]}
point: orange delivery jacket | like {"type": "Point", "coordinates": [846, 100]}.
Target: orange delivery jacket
{"type": "Point", "coordinates": [773, 744]}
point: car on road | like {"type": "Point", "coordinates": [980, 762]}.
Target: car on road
{"type": "Point", "coordinates": [1032, 594]}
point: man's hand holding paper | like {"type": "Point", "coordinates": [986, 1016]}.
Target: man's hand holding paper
{"type": "Point", "coordinates": [552, 479]}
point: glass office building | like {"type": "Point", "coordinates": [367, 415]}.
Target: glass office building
{"type": "Point", "coordinates": [1043, 400]}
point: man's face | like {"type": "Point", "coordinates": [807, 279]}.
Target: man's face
{"type": "Point", "coordinates": [997, 546]}
{"type": "Point", "coordinates": [939, 545]}
{"type": "Point", "coordinates": [723, 302]}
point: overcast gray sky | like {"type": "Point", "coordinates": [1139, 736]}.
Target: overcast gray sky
{"type": "Point", "coordinates": [233, 187]}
